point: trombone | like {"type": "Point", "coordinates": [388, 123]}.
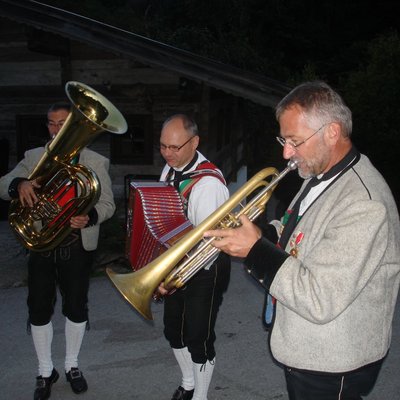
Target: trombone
{"type": "Point", "coordinates": [138, 287]}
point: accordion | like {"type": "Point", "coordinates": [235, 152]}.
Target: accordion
{"type": "Point", "coordinates": [155, 221]}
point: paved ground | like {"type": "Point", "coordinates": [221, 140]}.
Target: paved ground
{"type": "Point", "coordinates": [125, 357]}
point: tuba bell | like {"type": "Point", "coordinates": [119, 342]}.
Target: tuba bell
{"type": "Point", "coordinates": [46, 224]}
{"type": "Point", "coordinates": [192, 252]}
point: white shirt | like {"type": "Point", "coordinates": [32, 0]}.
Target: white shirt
{"type": "Point", "coordinates": [206, 195]}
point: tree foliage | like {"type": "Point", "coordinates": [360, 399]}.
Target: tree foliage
{"type": "Point", "coordinates": [373, 92]}
{"type": "Point", "coordinates": [279, 38]}
{"type": "Point", "coordinates": [353, 45]}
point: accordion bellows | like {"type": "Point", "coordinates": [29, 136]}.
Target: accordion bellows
{"type": "Point", "coordinates": [155, 221]}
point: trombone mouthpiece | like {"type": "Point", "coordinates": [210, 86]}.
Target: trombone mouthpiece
{"type": "Point", "coordinates": [292, 165]}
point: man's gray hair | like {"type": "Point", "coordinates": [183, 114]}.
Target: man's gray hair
{"type": "Point", "coordinates": [188, 123]}
{"type": "Point", "coordinates": [319, 101]}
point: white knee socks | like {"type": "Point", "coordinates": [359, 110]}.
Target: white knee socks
{"type": "Point", "coordinates": [202, 378]}
{"type": "Point", "coordinates": [197, 376]}
{"type": "Point", "coordinates": [42, 337]}
{"type": "Point", "coordinates": [74, 333]}
{"type": "Point", "coordinates": [186, 365]}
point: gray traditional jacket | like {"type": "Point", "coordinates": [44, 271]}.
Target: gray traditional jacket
{"type": "Point", "coordinates": [105, 206]}
{"type": "Point", "coordinates": [337, 291]}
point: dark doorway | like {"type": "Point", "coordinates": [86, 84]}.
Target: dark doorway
{"type": "Point", "coordinates": [31, 132]}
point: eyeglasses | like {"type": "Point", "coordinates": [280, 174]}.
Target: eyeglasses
{"type": "Point", "coordinates": [174, 148]}
{"type": "Point", "coordinates": [282, 141]}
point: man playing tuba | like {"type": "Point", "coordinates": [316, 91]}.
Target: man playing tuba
{"type": "Point", "coordinates": [68, 265]}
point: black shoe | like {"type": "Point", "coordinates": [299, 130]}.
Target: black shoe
{"type": "Point", "coordinates": [77, 381]}
{"type": "Point", "coordinates": [182, 394]}
{"type": "Point", "coordinates": [43, 385]}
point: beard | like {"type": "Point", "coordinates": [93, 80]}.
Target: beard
{"type": "Point", "coordinates": [315, 164]}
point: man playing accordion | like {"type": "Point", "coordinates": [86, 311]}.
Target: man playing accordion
{"type": "Point", "coordinates": [190, 313]}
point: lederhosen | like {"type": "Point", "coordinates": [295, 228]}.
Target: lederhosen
{"type": "Point", "coordinates": [190, 313]}
{"type": "Point", "coordinates": [68, 266]}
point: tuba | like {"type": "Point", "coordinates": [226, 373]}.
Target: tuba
{"type": "Point", "coordinates": [192, 251]}
{"type": "Point", "coordinates": [46, 224]}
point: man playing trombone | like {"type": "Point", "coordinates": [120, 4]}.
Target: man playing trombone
{"type": "Point", "coordinates": [332, 264]}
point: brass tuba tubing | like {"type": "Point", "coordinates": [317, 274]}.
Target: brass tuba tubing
{"type": "Point", "coordinates": [138, 287]}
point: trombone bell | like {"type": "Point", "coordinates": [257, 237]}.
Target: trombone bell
{"type": "Point", "coordinates": [133, 288]}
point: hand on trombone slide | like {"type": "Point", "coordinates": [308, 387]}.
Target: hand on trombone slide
{"type": "Point", "coordinates": [236, 242]}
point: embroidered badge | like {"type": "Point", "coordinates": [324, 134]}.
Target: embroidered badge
{"type": "Point", "coordinates": [294, 242]}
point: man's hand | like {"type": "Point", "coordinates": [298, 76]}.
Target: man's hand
{"type": "Point", "coordinates": [26, 192]}
{"type": "Point", "coordinates": [236, 242]}
{"type": "Point", "coordinates": [79, 221]}
{"type": "Point", "coordinates": [161, 289]}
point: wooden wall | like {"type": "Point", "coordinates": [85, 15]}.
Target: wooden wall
{"type": "Point", "coordinates": [34, 66]}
